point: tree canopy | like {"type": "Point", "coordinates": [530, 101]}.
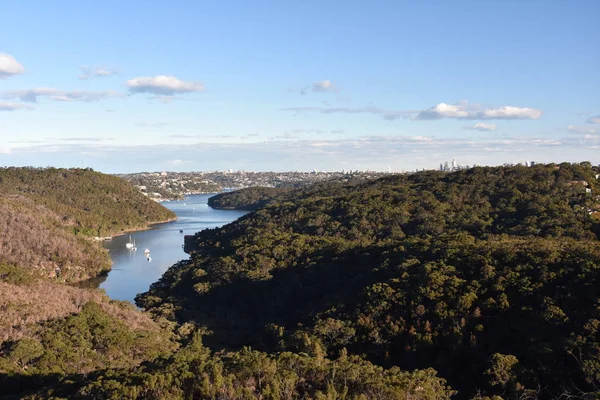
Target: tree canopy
{"type": "Point", "coordinates": [488, 275]}
{"type": "Point", "coordinates": [49, 216]}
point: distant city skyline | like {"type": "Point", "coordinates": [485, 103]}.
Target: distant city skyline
{"type": "Point", "coordinates": [262, 86]}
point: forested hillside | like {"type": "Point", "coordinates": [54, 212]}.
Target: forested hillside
{"type": "Point", "coordinates": [491, 276]}
{"type": "Point", "coordinates": [59, 341]}
{"type": "Point", "coordinates": [85, 346]}
{"type": "Point", "coordinates": [49, 216]}
{"type": "Point", "coordinates": [247, 199]}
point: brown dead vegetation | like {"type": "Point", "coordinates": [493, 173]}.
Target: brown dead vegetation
{"type": "Point", "coordinates": [23, 307]}
{"type": "Point", "coordinates": [33, 237]}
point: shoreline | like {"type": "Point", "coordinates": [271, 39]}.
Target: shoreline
{"type": "Point", "coordinates": [148, 227]}
{"type": "Point", "coordinates": [165, 199]}
{"type": "Point", "coordinates": [100, 240]}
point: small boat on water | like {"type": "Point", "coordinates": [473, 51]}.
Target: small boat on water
{"type": "Point", "coordinates": [131, 244]}
{"type": "Point", "coordinates": [146, 252]}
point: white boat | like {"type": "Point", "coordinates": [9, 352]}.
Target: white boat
{"type": "Point", "coordinates": [147, 251]}
{"type": "Point", "coordinates": [130, 244]}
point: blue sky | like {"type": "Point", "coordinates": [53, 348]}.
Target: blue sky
{"type": "Point", "coordinates": [125, 86]}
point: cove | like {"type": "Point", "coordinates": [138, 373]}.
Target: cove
{"type": "Point", "coordinates": [132, 272]}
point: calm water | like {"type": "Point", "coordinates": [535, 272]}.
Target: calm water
{"type": "Point", "coordinates": [132, 273]}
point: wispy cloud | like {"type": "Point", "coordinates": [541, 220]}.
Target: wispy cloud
{"type": "Point", "coordinates": [369, 152]}
{"type": "Point", "coordinates": [163, 85]}
{"type": "Point", "coordinates": [286, 135]}
{"type": "Point", "coordinates": [181, 136]}
{"type": "Point", "coordinates": [8, 106]}
{"type": "Point", "coordinates": [463, 110]}
{"type": "Point", "coordinates": [83, 139]}
{"type": "Point", "coordinates": [593, 120]}
{"type": "Point", "coordinates": [333, 110]}
{"type": "Point", "coordinates": [387, 114]}
{"type": "Point", "coordinates": [33, 95]}
{"type": "Point", "coordinates": [27, 141]}
{"type": "Point", "coordinates": [177, 162]}
{"type": "Point", "coordinates": [325, 86]}
{"type": "Point", "coordinates": [583, 129]}
{"type": "Point", "coordinates": [481, 127]}
{"type": "Point", "coordinates": [9, 66]}
{"type": "Point", "coordinates": [313, 131]}
{"type": "Point", "coordinates": [394, 115]}
{"type": "Point", "coordinates": [95, 72]}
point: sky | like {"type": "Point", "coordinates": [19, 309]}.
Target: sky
{"type": "Point", "coordinates": [130, 86]}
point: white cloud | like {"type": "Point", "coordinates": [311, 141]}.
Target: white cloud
{"type": "Point", "coordinates": [33, 95]}
{"type": "Point", "coordinates": [4, 106]}
{"type": "Point", "coordinates": [163, 85]}
{"type": "Point", "coordinates": [443, 110]}
{"type": "Point", "coordinates": [593, 120]}
{"type": "Point", "coordinates": [95, 72]}
{"type": "Point", "coordinates": [179, 162]}
{"type": "Point", "coordinates": [426, 139]}
{"type": "Point", "coordinates": [9, 66]}
{"type": "Point", "coordinates": [324, 86]}
{"type": "Point", "coordinates": [344, 110]}
{"type": "Point", "coordinates": [481, 127]}
{"type": "Point", "coordinates": [509, 112]}
{"type": "Point", "coordinates": [84, 96]}
{"type": "Point", "coordinates": [376, 153]}
{"type": "Point", "coordinates": [585, 129]}
{"type": "Point", "coordinates": [463, 110]}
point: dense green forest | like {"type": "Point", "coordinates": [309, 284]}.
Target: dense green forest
{"type": "Point", "coordinates": [470, 285]}
{"type": "Point", "coordinates": [488, 275]}
{"type": "Point", "coordinates": [253, 198]}
{"type": "Point", "coordinates": [247, 199]}
{"type": "Point", "coordinates": [49, 216]}
{"type": "Point", "coordinates": [60, 341]}
{"type": "Point", "coordinates": [86, 346]}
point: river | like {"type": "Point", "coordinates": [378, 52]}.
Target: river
{"type": "Point", "coordinates": [132, 272]}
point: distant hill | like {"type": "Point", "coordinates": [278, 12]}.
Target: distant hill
{"type": "Point", "coordinates": [253, 198]}
{"type": "Point", "coordinates": [49, 216]}
{"type": "Point", "coordinates": [489, 275]}
{"type": "Point", "coordinates": [249, 199]}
